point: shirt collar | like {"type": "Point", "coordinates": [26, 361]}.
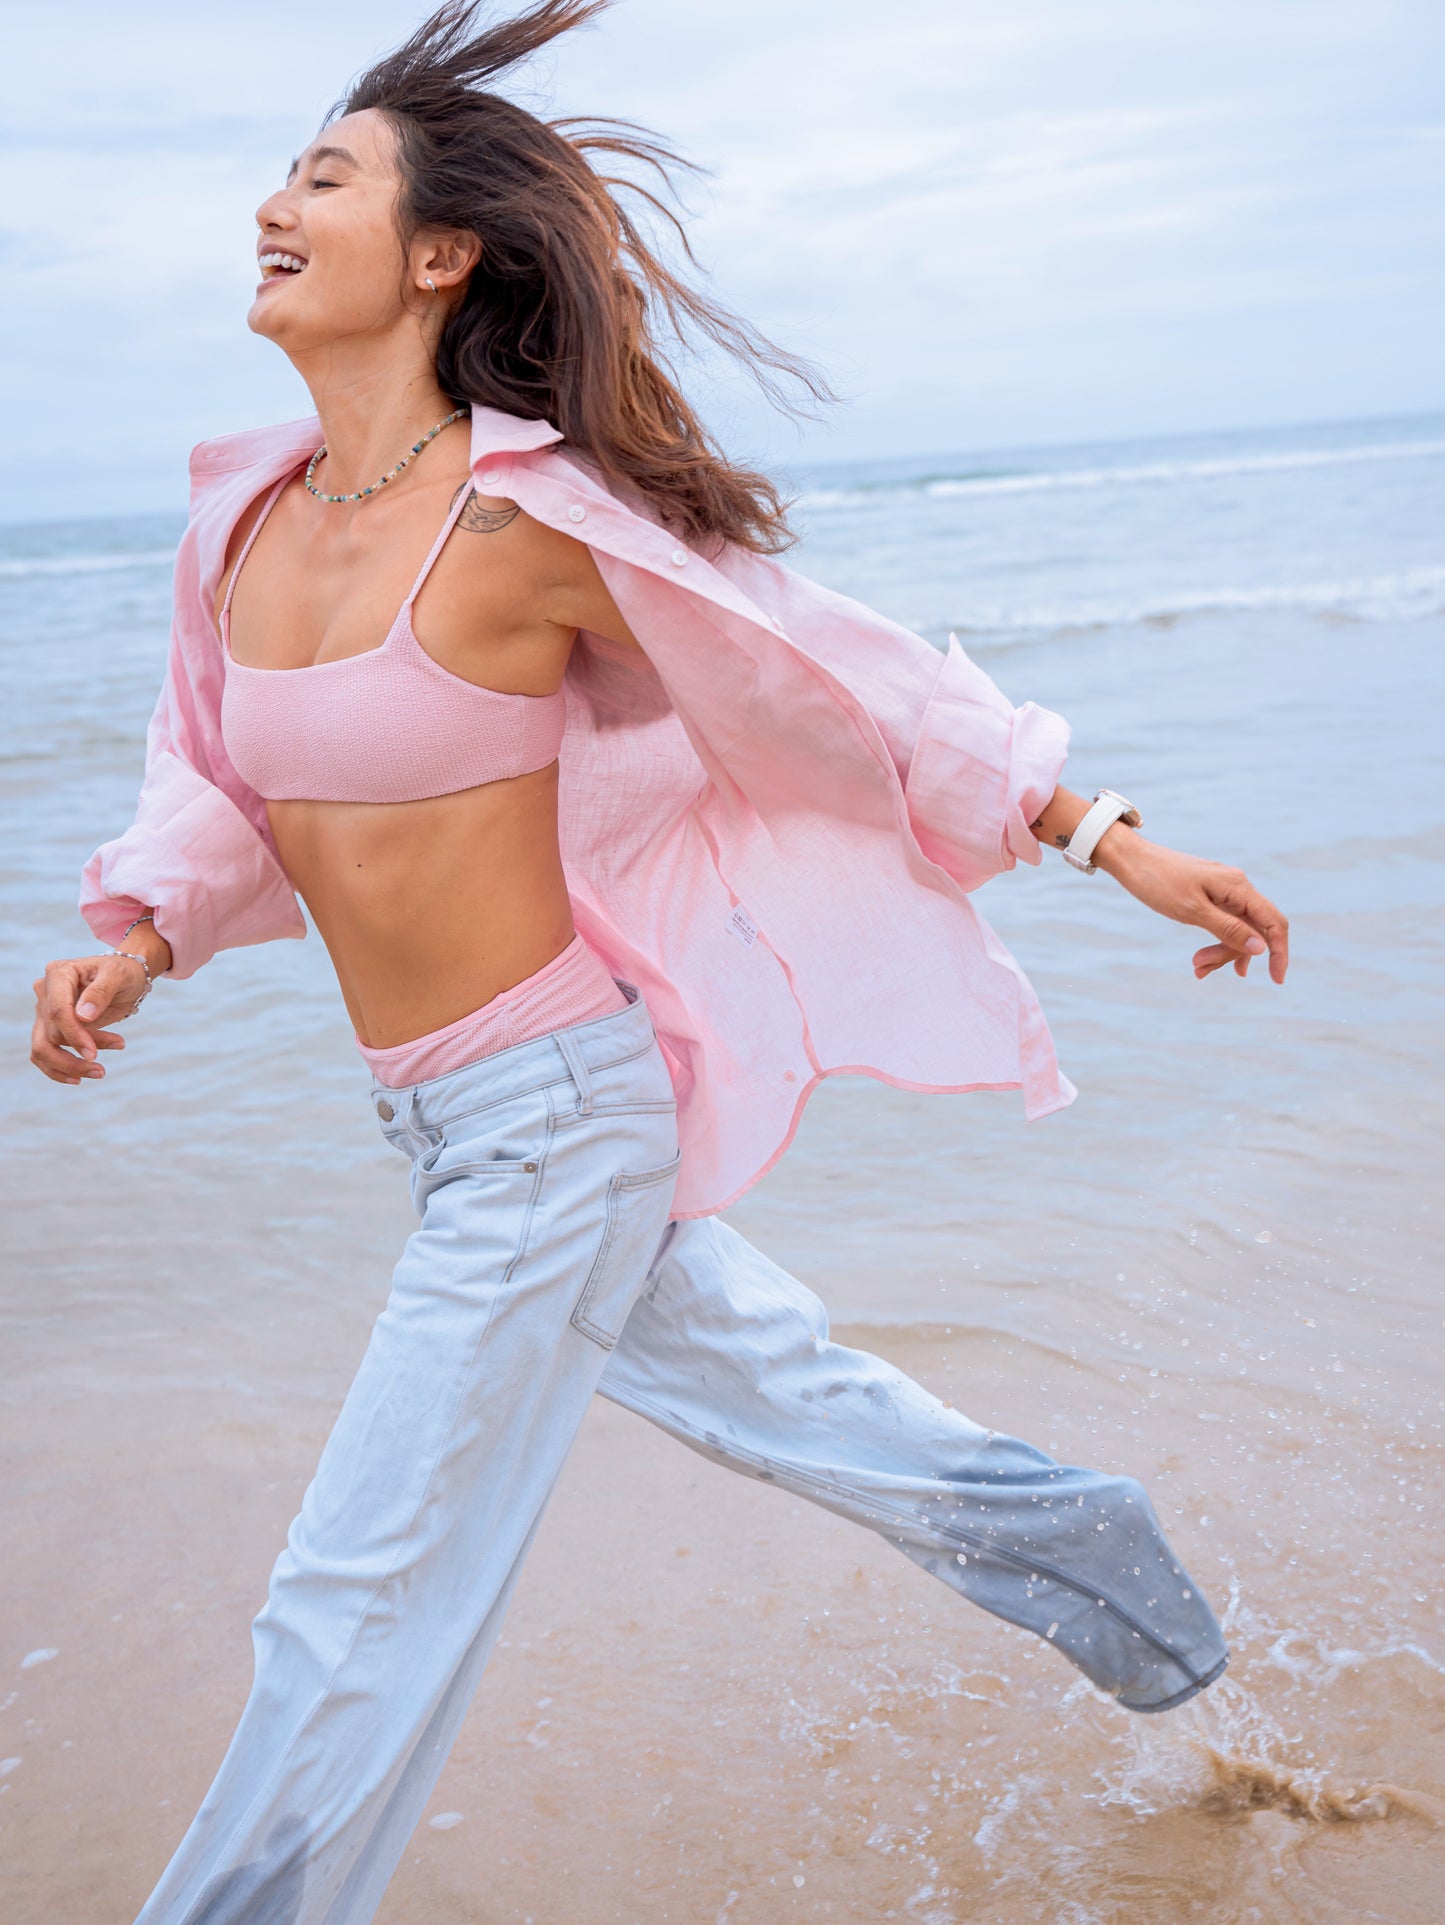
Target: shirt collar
{"type": "Point", "coordinates": [496, 433]}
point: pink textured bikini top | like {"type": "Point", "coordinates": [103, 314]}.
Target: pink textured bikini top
{"type": "Point", "coordinates": [388, 725]}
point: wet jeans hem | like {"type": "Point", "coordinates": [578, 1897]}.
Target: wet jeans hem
{"type": "Point", "coordinates": [1180, 1697]}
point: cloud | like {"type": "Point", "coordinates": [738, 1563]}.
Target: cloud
{"type": "Point", "coordinates": [1069, 219]}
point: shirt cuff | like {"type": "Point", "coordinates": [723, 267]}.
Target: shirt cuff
{"type": "Point", "coordinates": [981, 773]}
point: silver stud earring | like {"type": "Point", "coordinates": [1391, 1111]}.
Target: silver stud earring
{"type": "Point", "coordinates": [431, 283]}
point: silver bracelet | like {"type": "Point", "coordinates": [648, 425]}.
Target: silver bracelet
{"type": "Point", "coordinates": [149, 917]}
{"type": "Point", "coordinates": [132, 956]}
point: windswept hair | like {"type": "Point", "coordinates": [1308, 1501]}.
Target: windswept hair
{"type": "Point", "coordinates": [561, 318]}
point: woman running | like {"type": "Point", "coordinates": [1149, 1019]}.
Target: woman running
{"type": "Point", "coordinates": [621, 837]}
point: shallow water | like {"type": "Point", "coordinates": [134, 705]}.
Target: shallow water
{"type": "Point", "coordinates": [1217, 1269]}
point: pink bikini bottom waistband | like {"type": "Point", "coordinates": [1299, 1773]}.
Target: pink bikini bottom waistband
{"type": "Point", "coordinates": [574, 987]}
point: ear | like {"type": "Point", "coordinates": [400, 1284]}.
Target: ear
{"type": "Point", "coordinates": [446, 259]}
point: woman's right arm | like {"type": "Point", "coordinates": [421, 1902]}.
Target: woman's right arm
{"type": "Point", "coordinates": [198, 854]}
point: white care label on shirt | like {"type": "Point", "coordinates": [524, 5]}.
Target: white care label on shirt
{"type": "Point", "coordinates": [741, 925]}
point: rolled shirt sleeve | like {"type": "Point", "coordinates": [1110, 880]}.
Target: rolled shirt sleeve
{"type": "Point", "coordinates": [980, 773]}
{"type": "Point", "coordinates": [192, 857]}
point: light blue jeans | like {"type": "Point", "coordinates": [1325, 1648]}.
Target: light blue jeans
{"type": "Point", "coordinates": [545, 1268]}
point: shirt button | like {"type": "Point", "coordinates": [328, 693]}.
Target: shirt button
{"type": "Point", "coordinates": [385, 1111]}
{"type": "Point", "coordinates": [790, 1076]}
{"type": "Point", "coordinates": [576, 512]}
{"type": "Point", "coordinates": [679, 558]}
{"type": "Point", "coordinates": [490, 479]}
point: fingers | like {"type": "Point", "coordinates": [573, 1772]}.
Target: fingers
{"type": "Point", "coordinates": [1269, 926]}
{"type": "Point", "coordinates": [106, 986]}
{"type": "Point", "coordinates": [53, 1060]}
{"type": "Point", "coordinates": [70, 996]}
{"type": "Point", "coordinates": [1275, 925]}
{"type": "Point", "coordinates": [1246, 923]}
{"type": "Point", "coordinates": [100, 983]}
{"type": "Point", "coordinates": [1206, 961]}
{"type": "Point", "coordinates": [64, 982]}
{"type": "Point", "coordinates": [1235, 933]}
{"type": "Point", "coordinates": [1216, 956]}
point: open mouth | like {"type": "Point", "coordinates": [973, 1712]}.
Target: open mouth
{"type": "Point", "coordinates": [276, 267]}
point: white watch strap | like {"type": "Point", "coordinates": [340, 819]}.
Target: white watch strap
{"type": "Point", "coordinates": [1107, 808]}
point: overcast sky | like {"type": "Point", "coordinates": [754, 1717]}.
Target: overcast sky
{"type": "Point", "coordinates": [1026, 221]}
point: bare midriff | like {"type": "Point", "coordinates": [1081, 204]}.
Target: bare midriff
{"type": "Point", "coordinates": [429, 909]}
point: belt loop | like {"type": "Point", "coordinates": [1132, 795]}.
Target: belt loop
{"type": "Point", "coordinates": [572, 1057]}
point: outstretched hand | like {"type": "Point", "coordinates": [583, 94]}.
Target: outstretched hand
{"type": "Point", "coordinates": [1207, 895]}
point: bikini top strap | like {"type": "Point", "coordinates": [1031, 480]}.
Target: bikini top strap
{"type": "Point", "coordinates": [271, 500]}
{"type": "Point", "coordinates": [464, 495]}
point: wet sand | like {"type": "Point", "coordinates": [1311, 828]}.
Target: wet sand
{"type": "Point", "coordinates": [713, 1702]}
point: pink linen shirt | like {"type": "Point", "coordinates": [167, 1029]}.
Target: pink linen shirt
{"type": "Point", "coordinates": [770, 823]}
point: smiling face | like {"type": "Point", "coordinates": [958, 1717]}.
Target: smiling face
{"type": "Point", "coordinates": [331, 262]}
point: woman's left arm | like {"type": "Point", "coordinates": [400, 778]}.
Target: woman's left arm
{"type": "Point", "coordinates": [1190, 889]}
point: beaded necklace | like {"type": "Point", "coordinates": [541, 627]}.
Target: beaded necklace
{"type": "Point", "coordinates": [311, 465]}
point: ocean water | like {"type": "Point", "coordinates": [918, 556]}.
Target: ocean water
{"type": "Point", "coordinates": [1220, 1267]}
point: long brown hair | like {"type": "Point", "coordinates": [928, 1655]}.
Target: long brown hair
{"type": "Point", "coordinates": [563, 315]}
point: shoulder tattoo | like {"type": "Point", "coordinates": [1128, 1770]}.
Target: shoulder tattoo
{"type": "Point", "coordinates": [478, 520]}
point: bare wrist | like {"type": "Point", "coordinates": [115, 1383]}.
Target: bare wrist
{"type": "Point", "coordinates": [146, 940]}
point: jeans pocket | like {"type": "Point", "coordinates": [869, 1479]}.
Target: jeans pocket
{"type": "Point", "coordinates": [637, 1206]}
{"type": "Point", "coordinates": [502, 1145]}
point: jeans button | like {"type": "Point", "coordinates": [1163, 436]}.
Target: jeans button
{"type": "Point", "coordinates": [385, 1111]}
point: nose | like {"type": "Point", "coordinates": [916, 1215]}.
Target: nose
{"type": "Point", "coordinates": [275, 212]}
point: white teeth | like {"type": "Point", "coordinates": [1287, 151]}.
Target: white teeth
{"type": "Point", "coordinates": [291, 262]}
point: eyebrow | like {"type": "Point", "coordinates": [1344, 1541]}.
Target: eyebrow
{"type": "Point", "coordinates": [326, 153]}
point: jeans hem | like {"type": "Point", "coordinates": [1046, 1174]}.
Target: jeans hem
{"type": "Point", "coordinates": [1180, 1697]}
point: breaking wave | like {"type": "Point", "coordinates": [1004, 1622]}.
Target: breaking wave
{"type": "Point", "coordinates": [1406, 595]}
{"type": "Point", "coordinates": [1125, 475]}
{"type": "Point", "coordinates": [18, 568]}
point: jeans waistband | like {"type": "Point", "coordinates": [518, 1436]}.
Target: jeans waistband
{"type": "Point", "coordinates": [595, 1045]}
